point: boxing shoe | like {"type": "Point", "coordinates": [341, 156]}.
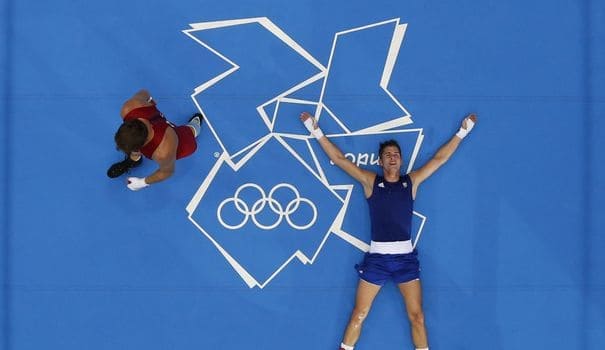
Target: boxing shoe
{"type": "Point", "coordinates": [120, 168]}
{"type": "Point", "coordinates": [195, 122]}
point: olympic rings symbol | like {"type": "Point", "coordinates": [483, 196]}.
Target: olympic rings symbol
{"type": "Point", "coordinates": [259, 206]}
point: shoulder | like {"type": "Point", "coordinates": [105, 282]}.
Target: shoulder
{"type": "Point", "coordinates": [166, 151]}
{"type": "Point", "coordinates": [132, 104]}
{"type": "Point", "coordinates": [413, 176]}
{"type": "Point", "coordinates": [368, 185]}
{"type": "Point", "coordinates": [169, 142]}
{"type": "Point", "coordinates": [371, 178]}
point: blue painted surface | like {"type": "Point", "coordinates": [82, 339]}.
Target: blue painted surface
{"type": "Point", "coordinates": [511, 251]}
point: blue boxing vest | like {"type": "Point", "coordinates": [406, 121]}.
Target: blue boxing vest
{"type": "Point", "coordinates": [391, 207]}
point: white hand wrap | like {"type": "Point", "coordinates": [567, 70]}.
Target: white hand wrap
{"type": "Point", "coordinates": [469, 126]}
{"type": "Point", "coordinates": [136, 183]}
{"type": "Point", "coordinates": [316, 132]}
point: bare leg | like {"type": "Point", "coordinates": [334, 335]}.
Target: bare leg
{"type": "Point", "coordinates": [412, 294]}
{"type": "Point", "coordinates": [366, 292]}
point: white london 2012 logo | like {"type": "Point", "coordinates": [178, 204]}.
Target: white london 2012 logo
{"type": "Point", "coordinates": [250, 212]}
{"type": "Point", "coordinates": [255, 207]}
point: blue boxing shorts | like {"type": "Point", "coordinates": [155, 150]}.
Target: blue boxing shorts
{"type": "Point", "coordinates": [378, 268]}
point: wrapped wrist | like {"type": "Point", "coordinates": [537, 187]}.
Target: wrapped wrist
{"type": "Point", "coordinates": [462, 132]}
{"type": "Point", "coordinates": [313, 129]}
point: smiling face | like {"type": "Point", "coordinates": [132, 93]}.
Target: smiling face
{"type": "Point", "coordinates": [390, 158]}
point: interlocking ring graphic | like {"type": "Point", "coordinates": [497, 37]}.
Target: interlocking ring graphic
{"type": "Point", "coordinates": [259, 205]}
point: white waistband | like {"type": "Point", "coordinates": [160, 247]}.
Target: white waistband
{"type": "Point", "coordinates": [397, 247]}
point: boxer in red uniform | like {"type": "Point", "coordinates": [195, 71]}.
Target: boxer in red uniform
{"type": "Point", "coordinates": [145, 132]}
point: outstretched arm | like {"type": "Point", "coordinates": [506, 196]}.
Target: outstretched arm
{"type": "Point", "coordinates": [443, 154]}
{"type": "Point", "coordinates": [365, 177]}
{"type": "Point", "coordinates": [141, 99]}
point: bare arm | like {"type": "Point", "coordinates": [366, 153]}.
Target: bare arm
{"type": "Point", "coordinates": [364, 177]}
{"type": "Point", "coordinates": [141, 99]}
{"type": "Point", "coordinates": [441, 157]}
{"type": "Point", "coordinates": [165, 171]}
{"type": "Point", "coordinates": [165, 156]}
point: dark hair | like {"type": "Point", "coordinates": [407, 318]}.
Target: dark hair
{"type": "Point", "coordinates": [386, 144]}
{"type": "Point", "coordinates": [131, 136]}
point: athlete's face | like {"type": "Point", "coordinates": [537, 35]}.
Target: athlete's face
{"type": "Point", "coordinates": [391, 158]}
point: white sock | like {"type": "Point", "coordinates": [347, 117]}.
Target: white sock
{"type": "Point", "coordinates": [422, 348]}
{"type": "Point", "coordinates": [196, 126]}
{"type": "Point", "coordinates": [346, 347]}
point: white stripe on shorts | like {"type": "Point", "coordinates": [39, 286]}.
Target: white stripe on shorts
{"type": "Point", "coordinates": [397, 247]}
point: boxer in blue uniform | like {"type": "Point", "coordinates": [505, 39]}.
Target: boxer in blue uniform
{"type": "Point", "coordinates": [390, 199]}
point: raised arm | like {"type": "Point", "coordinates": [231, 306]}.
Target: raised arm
{"type": "Point", "coordinates": [364, 177]}
{"type": "Point", "coordinates": [443, 154]}
{"type": "Point", "coordinates": [141, 99]}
